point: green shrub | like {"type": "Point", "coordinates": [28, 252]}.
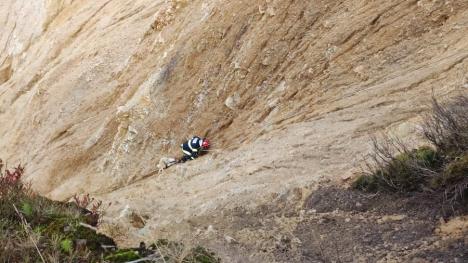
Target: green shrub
{"type": "Point", "coordinates": [66, 245]}
{"type": "Point", "coordinates": [123, 256]}
{"type": "Point", "coordinates": [456, 171]}
{"type": "Point", "coordinates": [366, 183]}
{"type": "Point", "coordinates": [426, 156]}
{"type": "Point", "coordinates": [453, 172]}
{"type": "Point", "coordinates": [405, 172]}
{"type": "Point", "coordinates": [400, 176]}
{"type": "Point", "coordinates": [27, 209]}
{"type": "Point", "coordinates": [402, 173]}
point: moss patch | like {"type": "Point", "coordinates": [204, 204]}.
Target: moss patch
{"type": "Point", "coordinates": [66, 245]}
{"type": "Point", "coordinates": [123, 256]}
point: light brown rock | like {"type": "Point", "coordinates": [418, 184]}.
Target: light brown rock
{"type": "Point", "coordinates": [94, 93]}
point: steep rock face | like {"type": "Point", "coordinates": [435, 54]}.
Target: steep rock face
{"type": "Point", "coordinates": [93, 93]}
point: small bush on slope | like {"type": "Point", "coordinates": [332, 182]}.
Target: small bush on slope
{"type": "Point", "coordinates": [403, 172]}
{"type": "Point", "coordinates": [442, 169]}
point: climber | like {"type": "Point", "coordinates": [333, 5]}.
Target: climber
{"type": "Point", "coordinates": [193, 148]}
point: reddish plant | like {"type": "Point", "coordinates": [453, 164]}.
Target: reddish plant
{"type": "Point", "coordinates": [92, 207]}
{"type": "Point", "coordinates": [10, 179]}
{"type": "Point", "coordinates": [82, 201]}
{"type": "Point", "coordinates": [14, 177]}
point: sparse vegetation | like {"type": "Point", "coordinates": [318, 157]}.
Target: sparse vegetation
{"type": "Point", "coordinates": [404, 172]}
{"type": "Point", "coordinates": [123, 256]}
{"type": "Point", "coordinates": [35, 229]}
{"type": "Point", "coordinates": [441, 168]}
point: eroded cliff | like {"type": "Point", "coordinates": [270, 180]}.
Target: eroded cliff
{"type": "Point", "coordinates": [93, 93]}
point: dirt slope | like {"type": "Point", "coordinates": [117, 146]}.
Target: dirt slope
{"type": "Point", "coordinates": [93, 93]}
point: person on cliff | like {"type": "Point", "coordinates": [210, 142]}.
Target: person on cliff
{"type": "Point", "coordinates": [193, 148]}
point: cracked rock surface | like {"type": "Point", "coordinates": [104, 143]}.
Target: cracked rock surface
{"type": "Point", "coordinates": [94, 93]}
